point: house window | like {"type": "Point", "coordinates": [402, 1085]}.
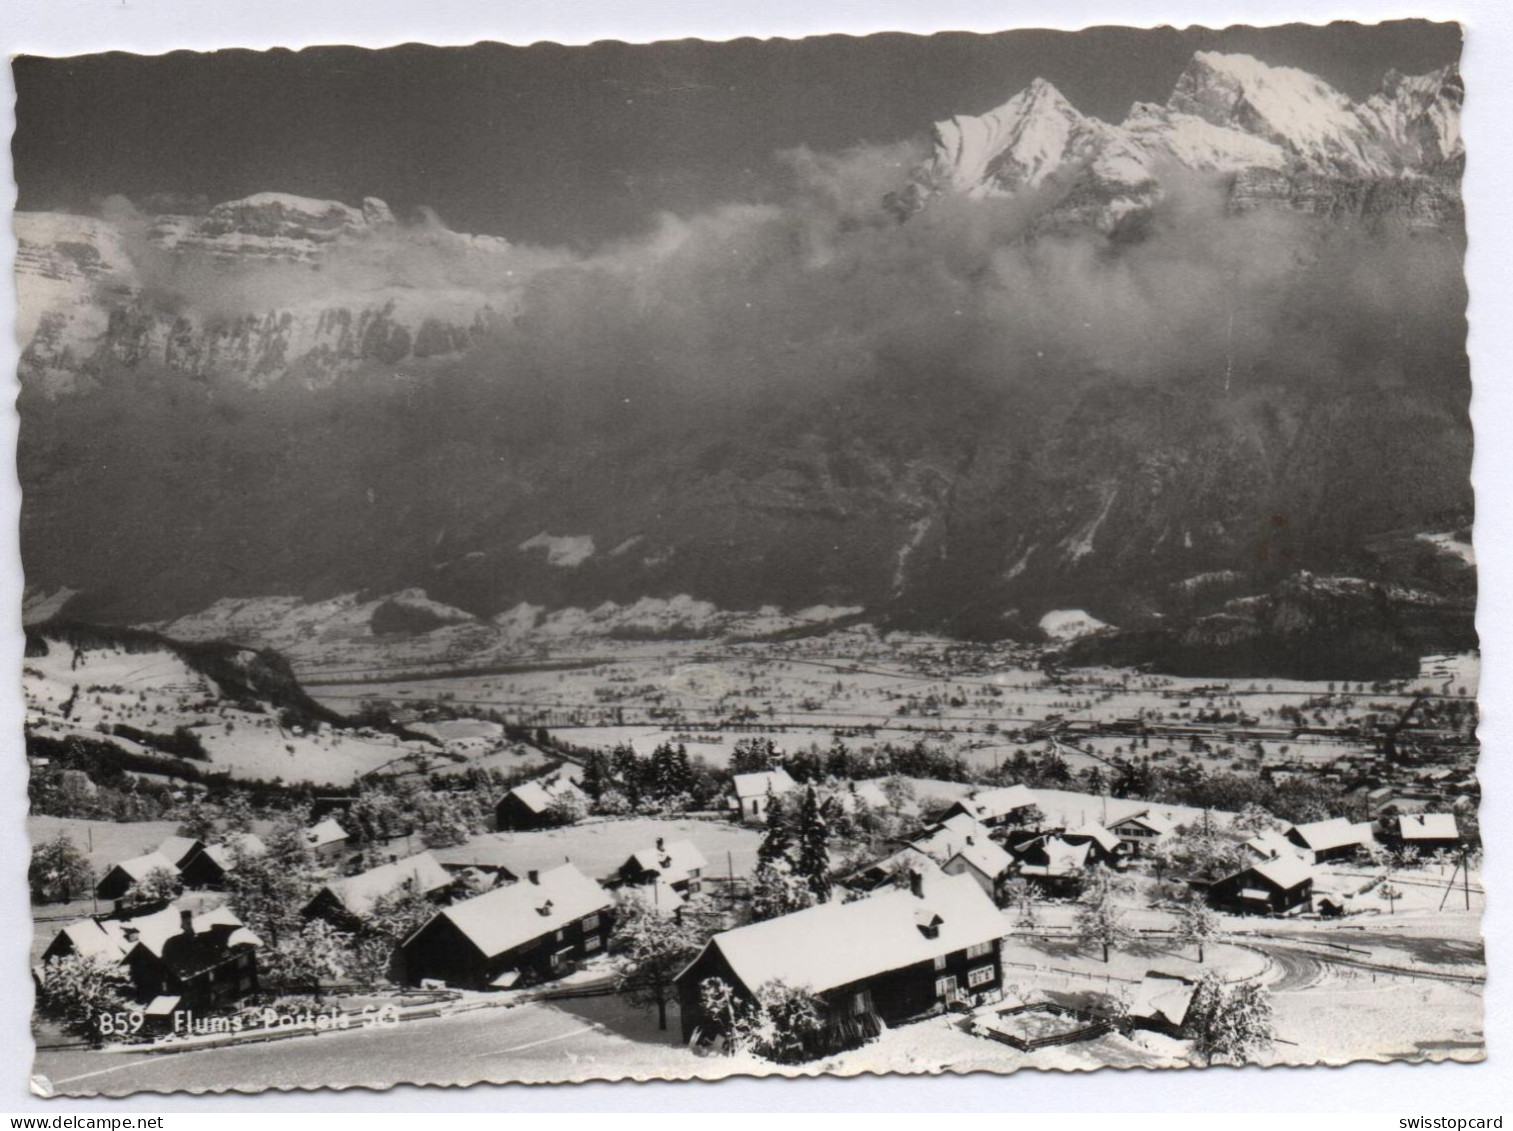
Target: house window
{"type": "Point", "coordinates": [560, 935]}
{"type": "Point", "coordinates": [940, 962]}
{"type": "Point", "coordinates": [591, 943]}
{"type": "Point", "coordinates": [979, 949]}
{"type": "Point", "coordinates": [859, 1003]}
{"type": "Point", "coordinates": [980, 976]}
{"type": "Point", "coordinates": [693, 887]}
{"type": "Point", "coordinates": [945, 987]}
{"type": "Point", "coordinates": [591, 923]}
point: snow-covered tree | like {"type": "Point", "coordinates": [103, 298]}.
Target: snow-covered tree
{"type": "Point", "coordinates": [776, 889]}
{"type": "Point", "coordinates": [814, 851]}
{"type": "Point", "coordinates": [161, 885]}
{"type": "Point", "coordinates": [59, 871]}
{"type": "Point", "coordinates": [77, 989]}
{"type": "Point", "coordinates": [1100, 918]}
{"type": "Point", "coordinates": [302, 960]}
{"type": "Point", "coordinates": [1254, 819]}
{"type": "Point", "coordinates": [1198, 925]}
{"type": "Point", "coordinates": [652, 949]}
{"type": "Point", "coordinates": [1228, 1022]}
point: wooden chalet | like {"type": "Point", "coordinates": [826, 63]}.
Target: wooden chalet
{"type": "Point", "coordinates": [345, 902]}
{"type": "Point", "coordinates": [529, 806]}
{"type": "Point", "coordinates": [1104, 845]}
{"type": "Point", "coordinates": [874, 961]}
{"type": "Point", "coordinates": [209, 867]}
{"type": "Point", "coordinates": [179, 850]}
{"type": "Point", "coordinates": [678, 864]}
{"type": "Point", "coordinates": [1334, 839]}
{"type": "Point", "coordinates": [123, 876]}
{"type": "Point", "coordinates": [1283, 886]}
{"type": "Point", "coordinates": [1140, 832]}
{"type": "Point", "coordinates": [750, 793]}
{"type": "Point", "coordinates": [531, 931]}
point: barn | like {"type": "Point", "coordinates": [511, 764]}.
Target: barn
{"type": "Point", "coordinates": [874, 961]}
{"type": "Point", "coordinates": [1426, 832]}
{"type": "Point", "coordinates": [1334, 839]}
{"type": "Point", "coordinates": [534, 930]}
{"type": "Point", "coordinates": [209, 867]}
{"type": "Point", "coordinates": [529, 806]}
{"type": "Point", "coordinates": [995, 808]}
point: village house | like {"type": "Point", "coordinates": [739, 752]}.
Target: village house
{"type": "Point", "coordinates": [1426, 832]}
{"type": "Point", "coordinates": [996, 808]}
{"type": "Point", "coordinates": [209, 867]}
{"type": "Point", "coordinates": [530, 806]}
{"type": "Point", "coordinates": [123, 876]}
{"type": "Point", "coordinates": [1283, 886]}
{"type": "Point", "coordinates": [678, 864]}
{"type": "Point", "coordinates": [327, 841]}
{"type": "Point", "coordinates": [488, 857]}
{"type": "Point", "coordinates": [1053, 864]}
{"type": "Point", "coordinates": [345, 902]}
{"type": "Point", "coordinates": [534, 930]}
{"type": "Point", "coordinates": [1334, 839]}
{"type": "Point", "coordinates": [751, 793]}
{"type": "Point", "coordinates": [174, 959]}
{"type": "Point", "coordinates": [1141, 832]}
{"type": "Point", "coordinates": [1104, 846]}
{"type": "Point", "coordinates": [877, 960]}
{"type": "Point", "coordinates": [1271, 844]}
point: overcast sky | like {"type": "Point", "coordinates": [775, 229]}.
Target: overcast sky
{"type": "Point", "coordinates": [579, 145]}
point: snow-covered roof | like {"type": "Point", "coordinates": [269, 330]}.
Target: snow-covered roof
{"type": "Point", "coordinates": [1062, 858]}
{"type": "Point", "coordinates": [1337, 832]}
{"type": "Point", "coordinates": [1270, 843]}
{"type": "Point", "coordinates": [760, 784]}
{"type": "Point", "coordinates": [672, 862]}
{"type": "Point", "coordinates": [1286, 872]}
{"type": "Point", "coordinates": [326, 832]}
{"type": "Point", "coordinates": [140, 867]}
{"type": "Point", "coordinates": [657, 896]}
{"type": "Point", "coordinates": [1428, 826]}
{"type": "Point", "coordinates": [834, 944]}
{"type": "Point", "coordinates": [1103, 837]}
{"type": "Point", "coordinates": [537, 796]}
{"type": "Point", "coordinates": [1147, 819]}
{"type": "Point", "coordinates": [508, 917]}
{"type": "Point", "coordinates": [987, 856]}
{"type": "Point", "coordinates": [1163, 997]}
{"type": "Point", "coordinates": [358, 893]}
{"type": "Point", "coordinates": [244, 844]}
{"type": "Point", "coordinates": [177, 849]}
{"type": "Point", "coordinates": [113, 939]}
{"type": "Point", "coordinates": [991, 804]}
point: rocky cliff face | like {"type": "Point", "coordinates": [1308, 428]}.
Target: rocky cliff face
{"type": "Point", "coordinates": [320, 297]}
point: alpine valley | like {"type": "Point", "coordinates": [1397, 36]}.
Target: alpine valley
{"type": "Point", "coordinates": [1199, 375]}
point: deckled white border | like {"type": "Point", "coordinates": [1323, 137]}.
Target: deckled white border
{"type": "Point", "coordinates": [67, 27]}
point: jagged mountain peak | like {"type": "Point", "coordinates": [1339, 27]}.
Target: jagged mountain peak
{"type": "Point", "coordinates": [1228, 113]}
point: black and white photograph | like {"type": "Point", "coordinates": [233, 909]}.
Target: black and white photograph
{"type": "Point", "coordinates": [901, 554]}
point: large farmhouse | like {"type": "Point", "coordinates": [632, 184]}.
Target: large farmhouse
{"type": "Point", "coordinates": [1141, 832]}
{"type": "Point", "coordinates": [175, 960]}
{"type": "Point", "coordinates": [534, 930]}
{"type": "Point", "coordinates": [877, 960]}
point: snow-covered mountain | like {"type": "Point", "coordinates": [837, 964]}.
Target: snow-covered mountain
{"type": "Point", "coordinates": [1277, 133]}
{"type": "Point", "coordinates": [319, 285]}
